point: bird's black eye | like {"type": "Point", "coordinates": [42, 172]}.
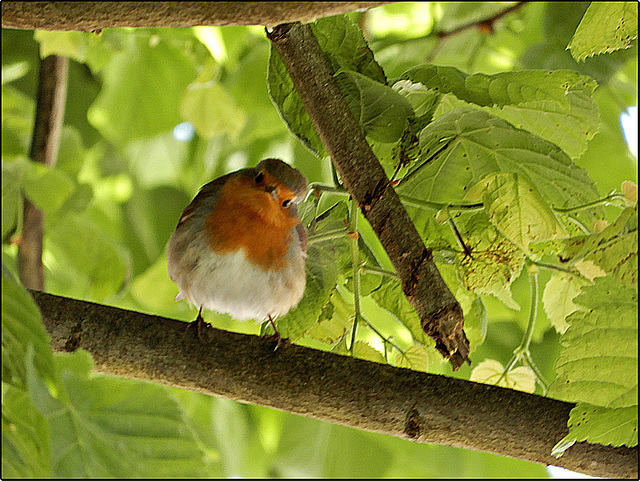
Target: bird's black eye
{"type": "Point", "coordinates": [286, 203]}
{"type": "Point", "coordinates": [259, 178]}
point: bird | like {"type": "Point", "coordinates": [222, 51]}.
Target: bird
{"type": "Point", "coordinates": [239, 247]}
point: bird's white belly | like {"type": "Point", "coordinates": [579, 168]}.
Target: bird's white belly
{"type": "Point", "coordinates": [233, 285]}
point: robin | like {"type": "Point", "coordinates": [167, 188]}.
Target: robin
{"type": "Point", "coordinates": [239, 247]}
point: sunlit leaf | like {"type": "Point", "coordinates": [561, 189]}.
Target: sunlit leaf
{"type": "Point", "coordinates": [494, 264]}
{"type": "Point", "coordinates": [558, 298]}
{"type": "Point", "coordinates": [613, 250]}
{"type": "Point", "coordinates": [556, 105]}
{"type": "Point", "coordinates": [605, 27]}
{"type": "Point", "coordinates": [380, 110]}
{"type": "Point", "coordinates": [478, 144]}
{"type": "Point", "coordinates": [491, 371]}
{"type": "Point", "coordinates": [516, 208]}
{"type": "Point", "coordinates": [595, 424]}
{"type": "Point", "coordinates": [414, 357]}
{"type": "Point", "coordinates": [599, 362]}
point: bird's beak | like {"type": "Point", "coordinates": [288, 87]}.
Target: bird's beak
{"type": "Point", "coordinates": [273, 191]}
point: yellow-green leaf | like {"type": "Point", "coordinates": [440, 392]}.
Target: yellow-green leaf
{"type": "Point", "coordinates": [517, 209]}
{"type": "Point", "coordinates": [490, 372]}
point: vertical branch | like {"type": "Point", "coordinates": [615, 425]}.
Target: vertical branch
{"type": "Point", "coordinates": [365, 179]}
{"type": "Point", "coordinates": [51, 98]}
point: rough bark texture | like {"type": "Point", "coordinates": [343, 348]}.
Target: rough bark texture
{"type": "Point", "coordinates": [422, 407]}
{"type": "Point", "coordinates": [94, 16]}
{"type": "Point", "coordinates": [366, 181]}
{"type": "Point", "coordinates": [50, 103]}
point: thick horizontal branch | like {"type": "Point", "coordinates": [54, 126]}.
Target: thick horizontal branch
{"type": "Point", "coordinates": [365, 179]}
{"type": "Point", "coordinates": [375, 397]}
{"type": "Point", "coordinates": [94, 16]}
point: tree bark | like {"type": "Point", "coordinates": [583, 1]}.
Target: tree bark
{"type": "Point", "coordinates": [363, 176]}
{"type": "Point", "coordinates": [425, 408]}
{"type": "Point", "coordinates": [94, 16]}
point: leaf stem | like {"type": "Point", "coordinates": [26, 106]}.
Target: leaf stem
{"type": "Point", "coordinates": [355, 259]}
{"type": "Point", "coordinates": [380, 270]}
{"type": "Point", "coordinates": [536, 371]}
{"type": "Point", "coordinates": [318, 187]}
{"type": "Point", "coordinates": [521, 352]}
{"type": "Point", "coordinates": [552, 267]}
{"type": "Point", "coordinates": [439, 205]}
{"type": "Point", "coordinates": [385, 340]}
{"type": "Point", "coordinates": [332, 234]}
{"type": "Point", "coordinates": [604, 201]}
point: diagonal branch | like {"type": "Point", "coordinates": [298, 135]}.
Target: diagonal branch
{"type": "Point", "coordinates": [425, 408]}
{"type": "Point", "coordinates": [366, 181]}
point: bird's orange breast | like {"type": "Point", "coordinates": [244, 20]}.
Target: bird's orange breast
{"type": "Point", "coordinates": [248, 217]}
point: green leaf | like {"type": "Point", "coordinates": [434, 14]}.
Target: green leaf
{"type": "Point", "coordinates": [211, 110]}
{"type": "Point", "coordinates": [346, 50]}
{"type": "Point", "coordinates": [334, 322]}
{"type": "Point", "coordinates": [25, 437]}
{"type": "Point", "coordinates": [47, 187]}
{"type": "Point", "coordinates": [477, 144]}
{"type": "Point", "coordinates": [516, 208]}
{"type": "Point", "coordinates": [570, 128]}
{"type": "Point", "coordinates": [599, 361]}
{"type": "Point", "coordinates": [494, 264]}
{"type": "Point", "coordinates": [595, 424]}
{"type": "Point", "coordinates": [326, 259]}
{"type": "Point", "coordinates": [22, 330]}
{"type": "Point", "coordinates": [287, 101]}
{"type": "Point", "coordinates": [82, 251]}
{"type": "Point", "coordinates": [490, 371]}
{"type": "Point", "coordinates": [556, 105]}
{"type": "Point", "coordinates": [343, 43]}
{"type": "Point", "coordinates": [309, 448]}
{"type": "Point", "coordinates": [83, 47]}
{"type": "Point", "coordinates": [613, 250]}
{"type": "Point", "coordinates": [155, 161]}
{"type": "Point", "coordinates": [605, 27]}
{"type": "Point", "coordinates": [142, 89]}
{"type": "Point", "coordinates": [423, 100]}
{"type": "Point", "coordinates": [363, 350]}
{"type": "Point", "coordinates": [12, 175]}
{"type": "Point", "coordinates": [558, 296]}
{"type": "Point", "coordinates": [380, 110]}
{"type": "Point", "coordinates": [414, 357]}
{"type": "Point", "coordinates": [391, 298]}
{"type": "Point", "coordinates": [96, 426]}
{"type": "Point", "coordinates": [507, 88]}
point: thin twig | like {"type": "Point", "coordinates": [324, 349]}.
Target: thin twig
{"type": "Point", "coordinates": [50, 103]}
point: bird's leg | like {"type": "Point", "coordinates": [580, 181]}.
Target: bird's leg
{"type": "Point", "coordinates": [273, 324]}
{"type": "Point", "coordinates": [276, 335]}
{"type": "Point", "coordinates": [199, 324]}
